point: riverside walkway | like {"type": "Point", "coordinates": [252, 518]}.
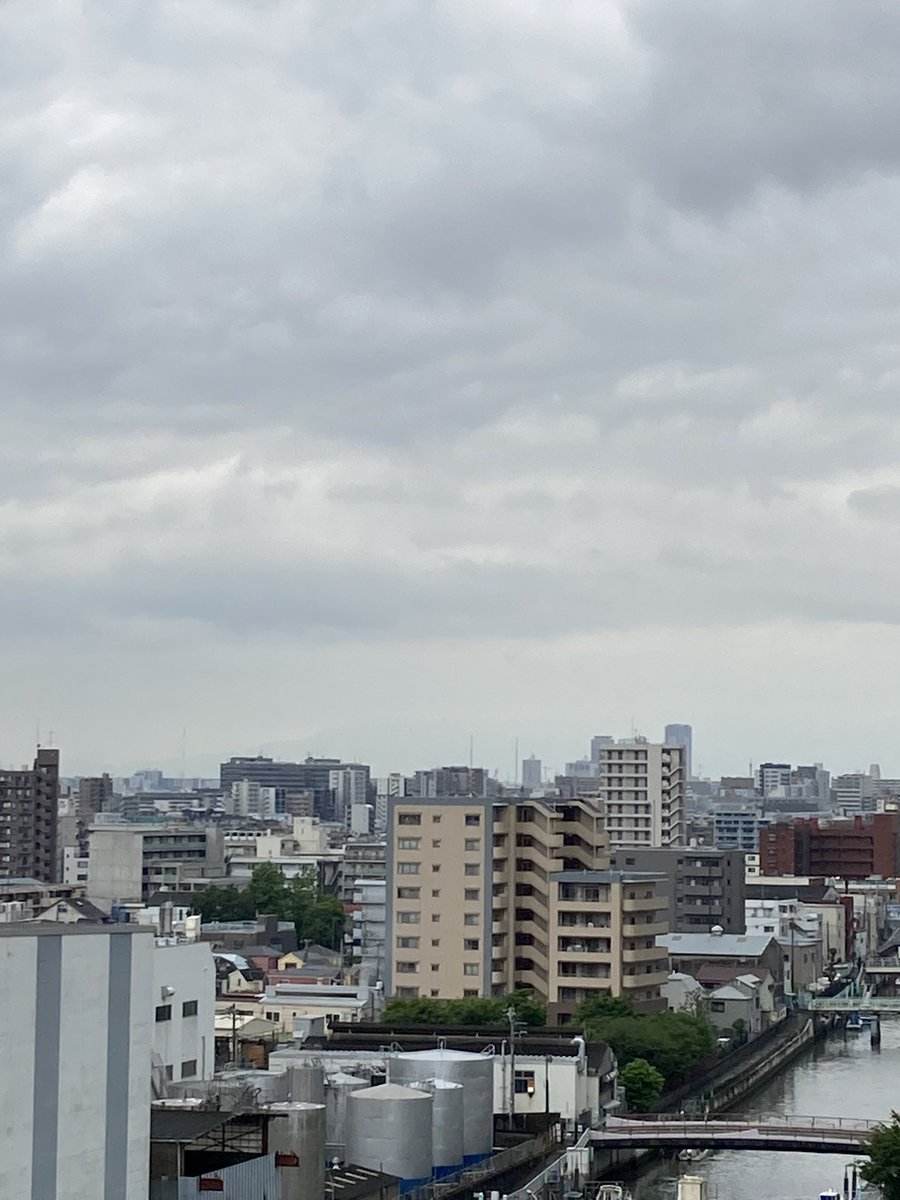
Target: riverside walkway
{"type": "Point", "coordinates": [811, 1135]}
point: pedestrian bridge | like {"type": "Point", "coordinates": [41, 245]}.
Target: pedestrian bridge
{"type": "Point", "coordinates": [847, 1004]}
{"type": "Point", "coordinates": [814, 1135]}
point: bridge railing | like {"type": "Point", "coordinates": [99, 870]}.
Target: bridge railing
{"type": "Point", "coordinates": [773, 1125]}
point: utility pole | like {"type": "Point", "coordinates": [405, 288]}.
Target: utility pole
{"type": "Point", "coordinates": [511, 1017]}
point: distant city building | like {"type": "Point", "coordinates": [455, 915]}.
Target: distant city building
{"type": "Point", "coordinates": [682, 735]}
{"type": "Point", "coordinates": [702, 886]}
{"type": "Point", "coordinates": [28, 819]}
{"type": "Point", "coordinates": [844, 849]}
{"type": "Point", "coordinates": [290, 778]}
{"type": "Point", "coordinates": [642, 787]}
{"type": "Point", "coordinates": [738, 829]}
{"type": "Point", "coordinates": [130, 862]}
{"type": "Point", "coordinates": [95, 793]}
{"type": "Point", "coordinates": [532, 773]}
{"type": "Point", "coordinates": [771, 776]}
{"type": "Point", "coordinates": [452, 781]}
{"type": "Point", "coordinates": [76, 1017]}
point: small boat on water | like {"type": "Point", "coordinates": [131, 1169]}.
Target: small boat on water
{"type": "Point", "coordinates": [854, 1024]}
{"type": "Point", "coordinates": [693, 1155]}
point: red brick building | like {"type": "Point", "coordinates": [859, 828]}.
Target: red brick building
{"type": "Point", "coordinates": [852, 849]}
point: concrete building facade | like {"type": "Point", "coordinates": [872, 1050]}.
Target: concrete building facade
{"type": "Point", "coordinates": [842, 849]}
{"type": "Point", "coordinates": [184, 1001]}
{"type": "Point", "coordinates": [488, 896]}
{"type": "Point", "coordinates": [702, 886]}
{"type": "Point", "coordinates": [131, 862]}
{"type": "Point", "coordinates": [75, 1036]}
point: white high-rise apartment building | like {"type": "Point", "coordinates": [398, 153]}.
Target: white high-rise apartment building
{"type": "Point", "coordinates": [642, 786]}
{"type": "Point", "coordinates": [682, 735]}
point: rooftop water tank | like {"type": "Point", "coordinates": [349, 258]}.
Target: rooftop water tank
{"type": "Point", "coordinates": [389, 1129]}
{"type": "Point", "coordinates": [300, 1129]}
{"type": "Point", "coordinates": [476, 1074]}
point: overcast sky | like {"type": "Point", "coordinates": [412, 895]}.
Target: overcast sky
{"type": "Point", "coordinates": [379, 373]}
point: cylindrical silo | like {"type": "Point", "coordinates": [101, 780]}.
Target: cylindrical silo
{"type": "Point", "coordinates": [306, 1081]}
{"type": "Point", "coordinates": [261, 1087]}
{"type": "Point", "coordinates": [389, 1129]}
{"type": "Point", "coordinates": [476, 1074]}
{"type": "Point", "coordinates": [337, 1088]}
{"type": "Point", "coordinates": [299, 1129]}
{"type": "Point", "coordinates": [446, 1125]}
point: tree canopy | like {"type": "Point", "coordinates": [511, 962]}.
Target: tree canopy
{"type": "Point", "coordinates": [671, 1042]}
{"type": "Point", "coordinates": [317, 917]}
{"type": "Point", "coordinates": [643, 1084]}
{"type": "Point", "coordinates": [470, 1010]}
{"type": "Point", "coordinates": [882, 1169]}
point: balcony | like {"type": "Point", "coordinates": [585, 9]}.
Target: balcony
{"type": "Point", "coordinates": [643, 954]}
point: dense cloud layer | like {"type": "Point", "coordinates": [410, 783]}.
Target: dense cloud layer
{"type": "Point", "coordinates": [405, 341]}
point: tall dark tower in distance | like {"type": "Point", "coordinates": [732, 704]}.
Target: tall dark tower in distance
{"type": "Point", "coordinates": [681, 735]}
{"type": "Point", "coordinates": [29, 802]}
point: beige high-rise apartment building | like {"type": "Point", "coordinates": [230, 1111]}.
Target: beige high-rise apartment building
{"type": "Point", "coordinates": [641, 786]}
{"type": "Point", "coordinates": [489, 895]}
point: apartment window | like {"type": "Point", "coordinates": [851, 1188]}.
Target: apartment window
{"type": "Point", "coordinates": [407, 893]}
{"type": "Point", "coordinates": [272, 1016]}
{"type": "Point", "coordinates": [717, 1005]}
{"type": "Point", "coordinates": [471, 968]}
{"type": "Point", "coordinates": [407, 918]}
{"type": "Point", "coordinates": [472, 845]}
{"type": "Point", "coordinates": [408, 843]}
{"type": "Point", "coordinates": [473, 818]}
{"type": "Point", "coordinates": [435, 867]}
{"type": "Point", "coordinates": [435, 966]}
{"type": "Point", "coordinates": [407, 943]}
{"type": "Point", "coordinates": [407, 968]}
{"type": "Point", "coordinates": [472, 894]}
{"type": "Point", "coordinates": [470, 992]}
{"type": "Point", "coordinates": [435, 991]}
{"type": "Point", "coordinates": [435, 892]}
{"type": "Point", "coordinates": [473, 868]}
{"type": "Point", "coordinates": [408, 993]}
{"type": "Point", "coordinates": [189, 1008]}
{"type": "Point", "coordinates": [435, 941]}
{"type": "Point", "coordinates": [189, 1068]}
{"type": "Point", "coordinates": [436, 819]}
{"type": "Point", "coordinates": [164, 1012]}
{"type": "Point", "coordinates": [471, 919]}
{"type": "Point", "coordinates": [470, 943]}
{"type": "Point", "coordinates": [409, 819]}
{"type": "Point", "coordinates": [408, 868]}
{"type": "Point", "coordinates": [169, 1074]}
{"type": "Point", "coordinates": [435, 843]}
{"type": "Point", "coordinates": [435, 917]}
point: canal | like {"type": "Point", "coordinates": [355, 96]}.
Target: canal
{"type": "Point", "coordinates": [838, 1078]}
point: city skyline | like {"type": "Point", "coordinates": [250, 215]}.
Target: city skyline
{"type": "Point", "coordinates": [468, 364]}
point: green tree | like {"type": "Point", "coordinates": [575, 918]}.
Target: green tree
{"type": "Point", "coordinates": [672, 1042]}
{"type": "Point", "coordinates": [883, 1167]}
{"type": "Point", "coordinates": [268, 890]}
{"type": "Point", "coordinates": [603, 1005]}
{"type": "Point", "coordinates": [643, 1084]}
{"type": "Point", "coordinates": [467, 1011]}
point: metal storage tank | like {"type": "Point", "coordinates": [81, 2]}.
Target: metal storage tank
{"type": "Point", "coordinates": [266, 1086]}
{"type": "Point", "coordinates": [474, 1071]}
{"type": "Point", "coordinates": [306, 1081]}
{"type": "Point", "coordinates": [446, 1124]}
{"type": "Point", "coordinates": [300, 1129]}
{"type": "Point", "coordinates": [337, 1088]}
{"type": "Point", "coordinates": [389, 1129]}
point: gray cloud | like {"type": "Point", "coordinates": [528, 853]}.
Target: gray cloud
{"type": "Point", "coordinates": [442, 323]}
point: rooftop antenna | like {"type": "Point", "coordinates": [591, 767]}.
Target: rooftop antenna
{"type": "Point", "coordinates": [37, 739]}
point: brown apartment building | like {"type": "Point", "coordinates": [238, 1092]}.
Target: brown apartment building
{"type": "Point", "coordinates": [842, 849]}
{"type": "Point", "coordinates": [29, 803]}
{"type": "Point", "coordinates": [486, 896]}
